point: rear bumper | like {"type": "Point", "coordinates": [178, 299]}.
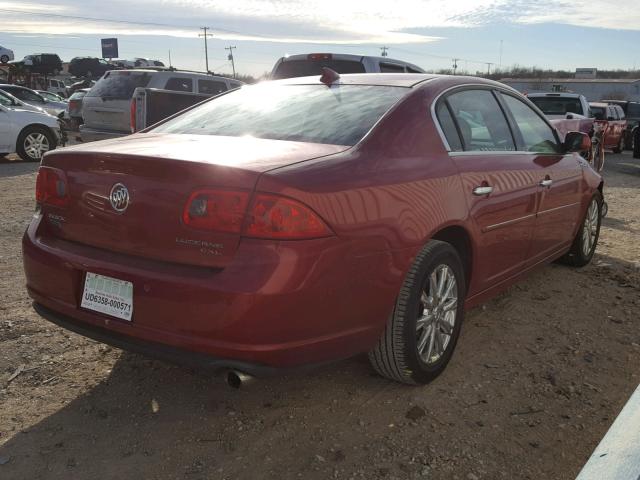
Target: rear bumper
{"type": "Point", "coordinates": [93, 134]}
{"type": "Point", "coordinates": [151, 349]}
{"type": "Point", "coordinates": [277, 306]}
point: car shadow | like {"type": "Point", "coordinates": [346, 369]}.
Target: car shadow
{"type": "Point", "coordinates": [149, 419]}
{"type": "Point", "coordinates": [616, 223]}
{"type": "Point", "coordinates": [14, 168]}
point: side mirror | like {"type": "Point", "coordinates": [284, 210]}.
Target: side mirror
{"type": "Point", "coordinates": [576, 142]}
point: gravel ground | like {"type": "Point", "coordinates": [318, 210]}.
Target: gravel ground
{"type": "Point", "coordinates": [539, 375]}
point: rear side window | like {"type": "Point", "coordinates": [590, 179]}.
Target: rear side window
{"type": "Point", "coordinates": [391, 68]}
{"type": "Point", "coordinates": [448, 127]}
{"type": "Point", "coordinates": [178, 84]}
{"type": "Point", "coordinates": [119, 85]}
{"type": "Point", "coordinates": [306, 68]}
{"type": "Point", "coordinates": [537, 136]}
{"type": "Point", "coordinates": [211, 87]}
{"type": "Point", "coordinates": [480, 120]}
{"type": "Point", "coordinates": [599, 113]}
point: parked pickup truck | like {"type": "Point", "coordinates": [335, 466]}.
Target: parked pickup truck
{"type": "Point", "coordinates": [108, 108]}
{"type": "Point", "coordinates": [570, 112]}
{"type": "Point", "coordinates": [611, 118]}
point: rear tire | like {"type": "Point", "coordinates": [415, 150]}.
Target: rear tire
{"type": "Point", "coordinates": [636, 143]}
{"type": "Point", "coordinates": [586, 241]}
{"type": "Point", "coordinates": [33, 142]}
{"type": "Point", "coordinates": [421, 335]}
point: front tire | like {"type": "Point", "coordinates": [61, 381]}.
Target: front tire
{"type": "Point", "coordinates": [620, 147]}
{"type": "Point", "coordinates": [421, 335]}
{"type": "Point", "coordinates": [34, 142]}
{"type": "Point", "coordinates": [4, 58]}
{"type": "Point", "coordinates": [584, 245]}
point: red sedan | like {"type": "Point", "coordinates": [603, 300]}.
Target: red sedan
{"type": "Point", "coordinates": [301, 221]}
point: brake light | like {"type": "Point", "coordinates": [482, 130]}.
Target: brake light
{"type": "Point", "coordinates": [132, 114]}
{"type": "Point", "coordinates": [319, 56]}
{"type": "Point", "coordinates": [276, 217]}
{"type": "Point", "coordinates": [51, 187]}
{"type": "Point", "coordinates": [216, 210]}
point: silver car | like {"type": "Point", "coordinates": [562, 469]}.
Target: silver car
{"type": "Point", "coordinates": [31, 97]}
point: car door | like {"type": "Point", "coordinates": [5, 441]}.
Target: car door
{"type": "Point", "coordinates": [558, 177]}
{"type": "Point", "coordinates": [499, 183]}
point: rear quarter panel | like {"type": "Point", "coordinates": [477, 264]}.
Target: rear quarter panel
{"type": "Point", "coordinates": [385, 198]}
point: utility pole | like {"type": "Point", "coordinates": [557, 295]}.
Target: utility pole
{"type": "Point", "coordinates": [489, 68]}
{"type": "Point", "coordinates": [230, 57]}
{"type": "Point", "coordinates": [455, 65]}
{"type": "Point", "coordinates": [384, 51]}
{"type": "Point", "coordinates": [500, 54]}
{"type": "Point", "coordinates": [206, 52]}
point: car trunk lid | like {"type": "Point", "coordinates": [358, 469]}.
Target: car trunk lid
{"type": "Point", "coordinates": [160, 172]}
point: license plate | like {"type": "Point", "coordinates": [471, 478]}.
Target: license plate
{"type": "Point", "coordinates": [107, 295]}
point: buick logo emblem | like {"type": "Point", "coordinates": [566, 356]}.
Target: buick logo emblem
{"type": "Point", "coordinates": [119, 197]}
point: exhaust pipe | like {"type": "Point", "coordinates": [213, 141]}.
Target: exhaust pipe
{"type": "Point", "coordinates": [236, 379]}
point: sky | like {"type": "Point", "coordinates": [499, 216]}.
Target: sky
{"type": "Point", "coordinates": [430, 33]}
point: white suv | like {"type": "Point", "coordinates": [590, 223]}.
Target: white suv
{"type": "Point", "coordinates": [6, 55]}
{"type": "Point", "coordinates": [106, 108]}
{"type": "Point", "coordinates": [29, 133]}
{"type": "Point", "coordinates": [311, 64]}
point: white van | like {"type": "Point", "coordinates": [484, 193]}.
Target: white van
{"type": "Point", "coordinates": [311, 64]}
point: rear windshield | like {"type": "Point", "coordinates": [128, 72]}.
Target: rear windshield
{"type": "Point", "coordinates": [307, 68]}
{"type": "Point", "coordinates": [599, 112]}
{"type": "Point", "coordinates": [558, 105]}
{"type": "Point", "coordinates": [339, 115]}
{"type": "Point", "coordinates": [119, 84]}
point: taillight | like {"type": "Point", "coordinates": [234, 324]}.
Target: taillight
{"type": "Point", "coordinates": [276, 217]}
{"type": "Point", "coordinates": [51, 187]}
{"type": "Point", "coordinates": [216, 210]}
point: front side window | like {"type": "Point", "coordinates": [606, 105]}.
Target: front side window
{"type": "Point", "coordinates": [480, 121]}
{"type": "Point", "coordinates": [178, 84]}
{"type": "Point", "coordinates": [537, 136]}
{"type": "Point", "coordinates": [338, 115]}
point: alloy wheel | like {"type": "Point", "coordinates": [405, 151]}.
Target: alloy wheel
{"type": "Point", "coordinates": [36, 144]}
{"type": "Point", "coordinates": [590, 228]}
{"type": "Point", "coordinates": [437, 314]}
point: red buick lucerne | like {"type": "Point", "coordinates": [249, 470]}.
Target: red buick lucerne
{"type": "Point", "coordinates": [302, 221]}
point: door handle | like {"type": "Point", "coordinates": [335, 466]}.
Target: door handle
{"type": "Point", "coordinates": [546, 182]}
{"type": "Point", "coordinates": [483, 190]}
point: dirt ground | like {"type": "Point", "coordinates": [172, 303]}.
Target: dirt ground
{"type": "Point", "coordinates": [539, 375]}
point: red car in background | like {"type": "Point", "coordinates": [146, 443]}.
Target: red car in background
{"type": "Point", "coordinates": [302, 221]}
{"type": "Point", "coordinates": [612, 120]}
